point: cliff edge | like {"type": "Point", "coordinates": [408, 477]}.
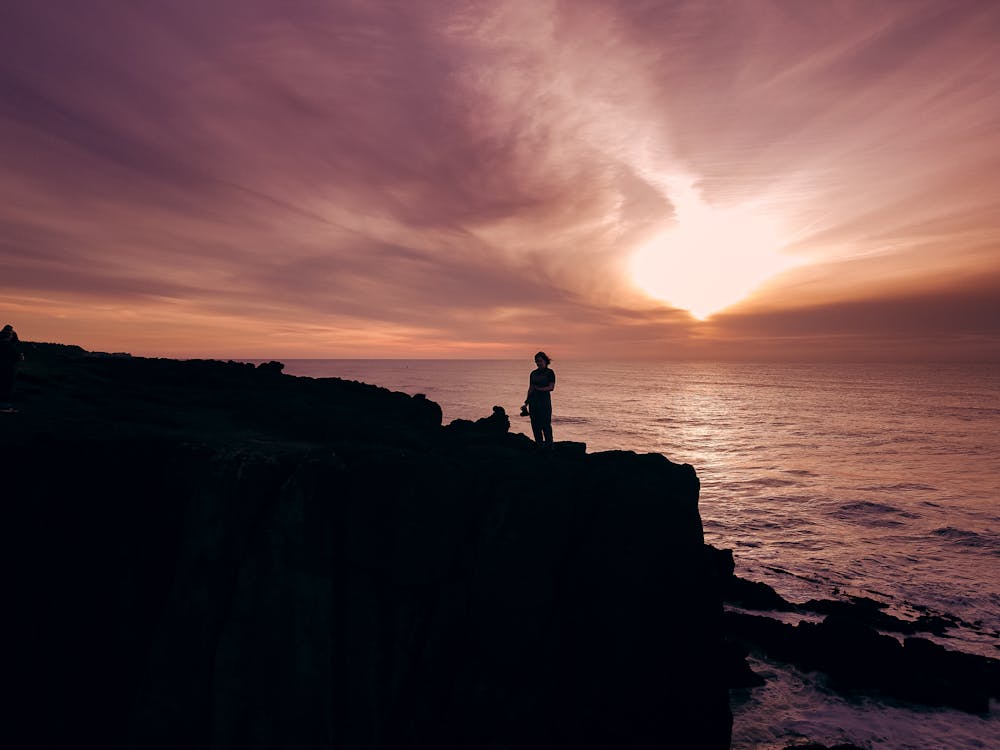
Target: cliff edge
{"type": "Point", "coordinates": [217, 555]}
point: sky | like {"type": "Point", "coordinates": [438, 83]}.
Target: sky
{"type": "Point", "coordinates": [744, 180]}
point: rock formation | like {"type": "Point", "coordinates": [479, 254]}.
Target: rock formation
{"type": "Point", "coordinates": [850, 648]}
{"type": "Point", "coordinates": [217, 555]}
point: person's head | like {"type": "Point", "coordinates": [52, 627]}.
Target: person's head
{"type": "Point", "coordinates": [542, 359]}
{"type": "Point", "coordinates": [7, 332]}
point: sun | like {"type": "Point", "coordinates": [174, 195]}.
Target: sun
{"type": "Point", "coordinates": [711, 258]}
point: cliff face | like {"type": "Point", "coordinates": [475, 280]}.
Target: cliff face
{"type": "Point", "coordinates": [334, 569]}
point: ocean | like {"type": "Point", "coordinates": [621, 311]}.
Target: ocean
{"type": "Point", "coordinates": [826, 480]}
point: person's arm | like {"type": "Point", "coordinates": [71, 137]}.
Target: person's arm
{"type": "Point", "coordinates": [550, 387]}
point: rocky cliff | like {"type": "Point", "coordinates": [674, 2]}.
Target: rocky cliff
{"type": "Point", "coordinates": [217, 555]}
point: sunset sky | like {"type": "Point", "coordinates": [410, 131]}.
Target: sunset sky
{"type": "Point", "coordinates": [425, 178]}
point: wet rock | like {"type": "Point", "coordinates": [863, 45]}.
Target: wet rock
{"type": "Point", "coordinates": [741, 592]}
{"type": "Point", "coordinates": [938, 676]}
{"type": "Point", "coordinates": [849, 647]}
{"type": "Point", "coordinates": [858, 657]}
{"type": "Point", "coordinates": [738, 673]}
{"type": "Point", "coordinates": [870, 612]}
{"type": "Point", "coordinates": [755, 595]}
{"type": "Point", "coordinates": [853, 654]}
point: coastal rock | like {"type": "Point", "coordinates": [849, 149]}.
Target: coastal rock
{"type": "Point", "coordinates": [755, 595]}
{"type": "Point", "coordinates": [849, 647]}
{"type": "Point", "coordinates": [497, 423]}
{"type": "Point", "coordinates": [219, 555]}
{"type": "Point", "coordinates": [858, 657]}
{"type": "Point", "coordinates": [871, 612]}
{"type": "Point", "coordinates": [739, 591]}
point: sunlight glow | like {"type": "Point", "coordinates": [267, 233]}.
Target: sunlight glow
{"type": "Point", "coordinates": [711, 258]}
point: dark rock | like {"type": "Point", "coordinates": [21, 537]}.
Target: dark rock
{"type": "Point", "coordinates": [848, 646]}
{"type": "Point", "coordinates": [741, 592]}
{"type": "Point", "coordinates": [858, 657]}
{"type": "Point", "coordinates": [938, 676]}
{"type": "Point", "coordinates": [497, 423]}
{"type": "Point", "coordinates": [270, 368]}
{"type": "Point", "coordinates": [211, 557]}
{"type": "Point", "coordinates": [568, 448]}
{"type": "Point", "coordinates": [756, 632]}
{"type": "Point", "coordinates": [737, 670]}
{"type": "Point", "coordinates": [870, 612]}
{"type": "Point", "coordinates": [72, 394]}
{"type": "Point", "coordinates": [855, 655]}
{"type": "Point", "coordinates": [755, 595]}
{"type": "Point", "coordinates": [759, 596]}
{"type": "Point", "coordinates": [720, 560]}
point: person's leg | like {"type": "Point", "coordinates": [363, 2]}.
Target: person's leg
{"type": "Point", "coordinates": [536, 425]}
{"type": "Point", "coordinates": [545, 424]}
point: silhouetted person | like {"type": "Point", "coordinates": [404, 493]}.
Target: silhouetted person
{"type": "Point", "coordinates": [10, 357]}
{"type": "Point", "coordinates": [541, 383]}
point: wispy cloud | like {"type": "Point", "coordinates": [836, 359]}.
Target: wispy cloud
{"type": "Point", "coordinates": [290, 178]}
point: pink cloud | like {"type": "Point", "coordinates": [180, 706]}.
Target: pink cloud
{"type": "Point", "coordinates": [459, 176]}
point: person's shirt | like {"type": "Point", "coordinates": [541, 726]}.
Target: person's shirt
{"type": "Point", "coordinates": [540, 378]}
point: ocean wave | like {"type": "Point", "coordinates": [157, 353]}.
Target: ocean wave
{"type": "Point", "coordinates": [966, 538]}
{"type": "Point", "coordinates": [868, 506]}
{"type": "Point", "coordinates": [871, 513]}
{"type": "Point", "coordinates": [816, 579]}
{"type": "Point", "coordinates": [570, 420]}
{"type": "Point", "coordinates": [971, 413]}
{"type": "Point", "coordinates": [769, 525]}
{"type": "Point", "coordinates": [769, 482]}
{"type": "Point", "coordinates": [883, 523]}
{"type": "Point", "coordinates": [906, 486]}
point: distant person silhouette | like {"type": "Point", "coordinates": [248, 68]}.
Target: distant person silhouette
{"type": "Point", "coordinates": [541, 383]}
{"type": "Point", "coordinates": [10, 357]}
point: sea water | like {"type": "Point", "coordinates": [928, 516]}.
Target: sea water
{"type": "Point", "coordinates": [826, 480]}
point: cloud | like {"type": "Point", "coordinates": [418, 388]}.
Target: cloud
{"type": "Point", "coordinates": [959, 322]}
{"type": "Point", "coordinates": [466, 176]}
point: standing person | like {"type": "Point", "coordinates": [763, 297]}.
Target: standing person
{"type": "Point", "coordinates": [10, 356]}
{"type": "Point", "coordinates": [541, 383]}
